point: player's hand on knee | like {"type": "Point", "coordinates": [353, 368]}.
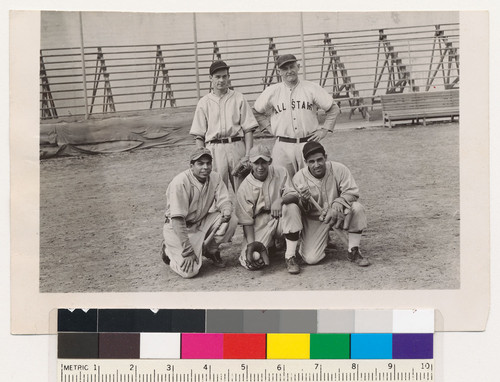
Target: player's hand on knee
{"type": "Point", "coordinates": [276, 208]}
{"type": "Point", "coordinates": [335, 216]}
{"type": "Point", "coordinates": [189, 261]}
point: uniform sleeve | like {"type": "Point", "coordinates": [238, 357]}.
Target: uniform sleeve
{"type": "Point", "coordinates": [244, 205]}
{"type": "Point", "coordinates": [287, 187]}
{"type": "Point", "coordinates": [348, 188]}
{"type": "Point", "coordinates": [331, 117]}
{"type": "Point", "coordinates": [178, 196]}
{"type": "Point", "coordinates": [262, 102]}
{"type": "Point", "coordinates": [247, 119]}
{"type": "Point", "coordinates": [321, 98]}
{"type": "Point", "coordinates": [222, 201]}
{"type": "Point", "coordinates": [200, 121]}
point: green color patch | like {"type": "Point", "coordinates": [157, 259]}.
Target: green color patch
{"type": "Point", "coordinates": [330, 346]}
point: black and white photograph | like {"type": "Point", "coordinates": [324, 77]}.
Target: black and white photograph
{"type": "Point", "coordinates": [372, 99]}
{"type": "Point", "coordinates": [209, 159]}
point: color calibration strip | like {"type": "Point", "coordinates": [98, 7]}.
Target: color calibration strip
{"type": "Point", "coordinates": [245, 334]}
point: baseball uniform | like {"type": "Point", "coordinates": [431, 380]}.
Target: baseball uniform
{"type": "Point", "coordinates": [294, 118]}
{"type": "Point", "coordinates": [253, 206]}
{"type": "Point", "coordinates": [192, 200]}
{"type": "Point", "coordinates": [222, 122]}
{"type": "Point", "coordinates": [337, 185]}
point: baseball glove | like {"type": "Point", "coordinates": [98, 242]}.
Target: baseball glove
{"type": "Point", "coordinates": [243, 168]}
{"type": "Point", "coordinates": [256, 255]}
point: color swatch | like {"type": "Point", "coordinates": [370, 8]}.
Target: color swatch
{"type": "Point", "coordinates": [245, 334]}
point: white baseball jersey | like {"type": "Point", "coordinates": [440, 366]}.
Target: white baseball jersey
{"type": "Point", "coordinates": [254, 196]}
{"type": "Point", "coordinates": [293, 110]}
{"type": "Point", "coordinates": [222, 117]}
{"type": "Point", "coordinates": [187, 197]}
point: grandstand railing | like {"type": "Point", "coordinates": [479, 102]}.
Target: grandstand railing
{"type": "Point", "coordinates": [355, 67]}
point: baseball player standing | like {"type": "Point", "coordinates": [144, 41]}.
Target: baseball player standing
{"type": "Point", "coordinates": [189, 218]}
{"type": "Point", "coordinates": [266, 207]}
{"type": "Point", "coordinates": [224, 123]}
{"type": "Point", "coordinates": [293, 106]}
{"type": "Point", "coordinates": [330, 185]}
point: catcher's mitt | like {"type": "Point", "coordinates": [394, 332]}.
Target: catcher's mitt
{"type": "Point", "coordinates": [243, 168]}
{"type": "Point", "coordinates": [256, 255]}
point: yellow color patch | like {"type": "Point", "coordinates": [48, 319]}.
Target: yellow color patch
{"type": "Point", "coordinates": [288, 346]}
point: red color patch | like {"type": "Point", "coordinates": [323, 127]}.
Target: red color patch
{"type": "Point", "coordinates": [244, 346]}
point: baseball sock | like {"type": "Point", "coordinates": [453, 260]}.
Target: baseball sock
{"type": "Point", "coordinates": [354, 240]}
{"type": "Point", "coordinates": [291, 247]}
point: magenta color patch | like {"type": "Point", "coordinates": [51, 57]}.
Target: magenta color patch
{"type": "Point", "coordinates": [202, 346]}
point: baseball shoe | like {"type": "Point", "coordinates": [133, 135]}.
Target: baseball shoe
{"type": "Point", "coordinates": [164, 256]}
{"type": "Point", "coordinates": [355, 257]}
{"type": "Point", "coordinates": [216, 259]}
{"type": "Point", "coordinates": [292, 266]}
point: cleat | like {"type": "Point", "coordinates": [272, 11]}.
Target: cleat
{"type": "Point", "coordinates": [355, 257]}
{"type": "Point", "coordinates": [292, 266]}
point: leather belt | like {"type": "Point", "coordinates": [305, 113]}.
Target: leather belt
{"type": "Point", "coordinates": [188, 224]}
{"type": "Point", "coordinates": [294, 140]}
{"type": "Point", "coordinates": [226, 140]}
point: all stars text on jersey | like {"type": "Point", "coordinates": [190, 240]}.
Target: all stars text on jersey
{"type": "Point", "coordinates": [295, 104]}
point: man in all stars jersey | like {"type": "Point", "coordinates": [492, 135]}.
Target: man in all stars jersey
{"type": "Point", "coordinates": [292, 105]}
{"type": "Point", "coordinates": [224, 123]}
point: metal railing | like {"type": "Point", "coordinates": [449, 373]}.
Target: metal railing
{"type": "Point", "coordinates": [356, 67]}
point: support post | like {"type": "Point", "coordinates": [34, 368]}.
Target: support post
{"type": "Point", "coordinates": [84, 72]}
{"type": "Point", "coordinates": [196, 62]}
{"type": "Point", "coordinates": [304, 70]}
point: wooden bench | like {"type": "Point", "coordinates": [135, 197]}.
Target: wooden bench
{"type": "Point", "coordinates": [420, 105]}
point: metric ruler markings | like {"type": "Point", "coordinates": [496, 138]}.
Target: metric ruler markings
{"type": "Point", "coordinates": [265, 371]}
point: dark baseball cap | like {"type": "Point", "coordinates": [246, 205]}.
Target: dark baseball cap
{"type": "Point", "coordinates": [285, 59]}
{"type": "Point", "coordinates": [218, 65]}
{"type": "Point", "coordinates": [312, 147]}
{"type": "Point", "coordinates": [198, 153]}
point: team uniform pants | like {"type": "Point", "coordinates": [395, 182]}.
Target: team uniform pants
{"type": "Point", "coordinates": [267, 228]}
{"type": "Point", "coordinates": [314, 237]}
{"type": "Point", "coordinates": [288, 155]}
{"type": "Point", "coordinates": [197, 234]}
{"type": "Point", "coordinates": [225, 158]}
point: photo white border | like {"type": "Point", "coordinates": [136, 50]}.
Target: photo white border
{"type": "Point", "coordinates": [462, 309]}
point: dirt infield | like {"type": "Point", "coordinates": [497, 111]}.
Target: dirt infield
{"type": "Point", "coordinates": [101, 220]}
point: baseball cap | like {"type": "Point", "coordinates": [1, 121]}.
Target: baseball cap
{"type": "Point", "coordinates": [198, 153]}
{"type": "Point", "coordinates": [285, 59]}
{"type": "Point", "coordinates": [312, 147]}
{"type": "Point", "coordinates": [217, 65]}
{"type": "Point", "coordinates": [259, 151]}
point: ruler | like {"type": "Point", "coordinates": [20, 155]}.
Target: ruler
{"type": "Point", "coordinates": [168, 370]}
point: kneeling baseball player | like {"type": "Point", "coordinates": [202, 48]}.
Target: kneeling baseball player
{"type": "Point", "coordinates": [329, 200]}
{"type": "Point", "coordinates": [192, 229]}
{"type": "Point", "coordinates": [266, 207]}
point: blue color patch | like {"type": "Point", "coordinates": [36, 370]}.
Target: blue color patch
{"type": "Point", "coordinates": [371, 346]}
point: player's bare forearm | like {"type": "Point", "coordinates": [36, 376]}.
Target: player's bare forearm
{"type": "Point", "coordinates": [249, 232]}
{"type": "Point", "coordinates": [263, 120]}
{"type": "Point", "coordinates": [331, 117]}
{"type": "Point", "coordinates": [248, 142]}
{"type": "Point", "coordinates": [199, 141]}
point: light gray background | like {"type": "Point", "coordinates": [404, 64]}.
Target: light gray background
{"type": "Point", "coordinates": [463, 356]}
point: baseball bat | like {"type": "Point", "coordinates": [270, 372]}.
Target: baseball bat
{"type": "Point", "coordinates": [212, 234]}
